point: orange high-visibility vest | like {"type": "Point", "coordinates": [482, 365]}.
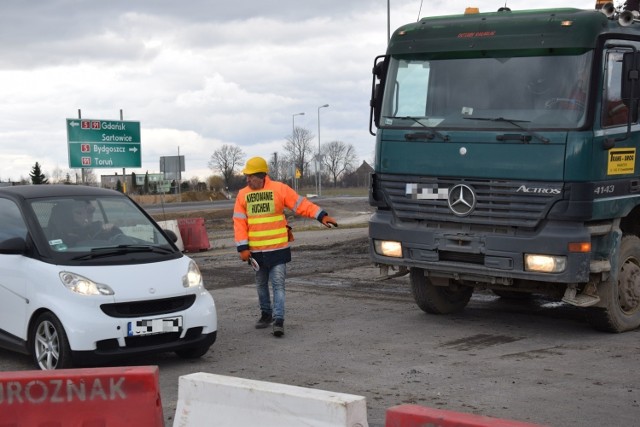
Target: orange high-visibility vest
{"type": "Point", "coordinates": [258, 216]}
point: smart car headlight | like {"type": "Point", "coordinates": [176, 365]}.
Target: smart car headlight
{"type": "Point", "coordinates": [82, 285]}
{"type": "Point", "coordinates": [193, 277]}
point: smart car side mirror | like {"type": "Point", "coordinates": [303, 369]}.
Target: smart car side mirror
{"type": "Point", "coordinates": [171, 235]}
{"type": "Point", "coordinates": [13, 246]}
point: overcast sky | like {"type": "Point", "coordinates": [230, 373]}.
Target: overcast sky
{"type": "Point", "coordinates": [196, 74]}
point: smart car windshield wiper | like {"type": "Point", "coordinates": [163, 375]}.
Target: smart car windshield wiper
{"type": "Point", "coordinates": [513, 122]}
{"type": "Point", "coordinates": [121, 250]}
{"type": "Point", "coordinates": [414, 136]}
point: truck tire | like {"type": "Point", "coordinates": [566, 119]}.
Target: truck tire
{"type": "Point", "coordinates": [438, 299]}
{"type": "Point", "coordinates": [619, 306]}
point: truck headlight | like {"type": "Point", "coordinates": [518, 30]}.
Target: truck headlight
{"type": "Point", "coordinates": [545, 263]}
{"type": "Point", "coordinates": [388, 248]}
{"type": "Point", "coordinates": [193, 277]}
{"type": "Point", "coordinates": [83, 286]}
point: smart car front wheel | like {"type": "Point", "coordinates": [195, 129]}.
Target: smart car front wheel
{"type": "Point", "coordinates": [49, 344]}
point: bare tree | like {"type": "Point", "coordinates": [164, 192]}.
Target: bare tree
{"type": "Point", "coordinates": [281, 168]}
{"type": "Point", "coordinates": [299, 148]}
{"type": "Point", "coordinates": [275, 163]}
{"type": "Point", "coordinates": [57, 176]}
{"type": "Point", "coordinates": [338, 158]}
{"type": "Point", "coordinates": [90, 177]}
{"type": "Point", "coordinates": [225, 160]}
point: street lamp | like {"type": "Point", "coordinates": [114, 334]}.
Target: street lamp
{"type": "Point", "coordinates": [319, 156]}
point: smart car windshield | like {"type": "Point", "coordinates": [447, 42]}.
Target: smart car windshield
{"type": "Point", "coordinates": [84, 226]}
{"type": "Point", "coordinates": [538, 92]}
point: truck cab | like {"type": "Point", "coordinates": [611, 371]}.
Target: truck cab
{"type": "Point", "coordinates": [506, 151]}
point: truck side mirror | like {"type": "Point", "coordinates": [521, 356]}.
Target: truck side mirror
{"type": "Point", "coordinates": [377, 89]}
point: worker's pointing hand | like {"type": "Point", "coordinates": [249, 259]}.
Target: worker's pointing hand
{"type": "Point", "coordinates": [327, 221]}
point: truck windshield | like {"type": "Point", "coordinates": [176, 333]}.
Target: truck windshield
{"type": "Point", "coordinates": [537, 92]}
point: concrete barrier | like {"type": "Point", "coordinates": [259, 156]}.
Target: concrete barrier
{"type": "Point", "coordinates": [92, 397]}
{"type": "Point", "coordinates": [420, 416]}
{"type": "Point", "coordinates": [215, 400]}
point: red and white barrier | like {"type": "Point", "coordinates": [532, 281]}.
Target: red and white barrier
{"type": "Point", "coordinates": [420, 416]}
{"type": "Point", "coordinates": [123, 396]}
{"type": "Point", "coordinates": [221, 401]}
{"type": "Point", "coordinates": [194, 234]}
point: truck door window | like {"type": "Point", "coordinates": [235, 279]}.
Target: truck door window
{"type": "Point", "coordinates": [411, 88]}
{"type": "Point", "coordinates": [614, 111]}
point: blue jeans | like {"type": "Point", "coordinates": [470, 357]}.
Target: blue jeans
{"type": "Point", "coordinates": [276, 275]}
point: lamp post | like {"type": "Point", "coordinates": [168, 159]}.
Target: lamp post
{"type": "Point", "coordinates": [319, 158]}
{"type": "Point", "coordinates": [293, 133]}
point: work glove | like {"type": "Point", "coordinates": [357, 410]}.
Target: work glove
{"type": "Point", "coordinates": [290, 234]}
{"type": "Point", "coordinates": [245, 255]}
{"type": "Point", "coordinates": [327, 221]}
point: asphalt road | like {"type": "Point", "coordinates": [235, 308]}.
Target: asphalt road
{"type": "Point", "coordinates": [536, 360]}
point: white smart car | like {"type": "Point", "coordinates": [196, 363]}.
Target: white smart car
{"type": "Point", "coordinates": [87, 277]}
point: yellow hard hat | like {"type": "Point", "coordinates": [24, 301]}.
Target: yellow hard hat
{"type": "Point", "coordinates": [255, 165]}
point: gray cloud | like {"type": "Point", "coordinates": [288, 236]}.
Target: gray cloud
{"type": "Point", "coordinates": [196, 74]}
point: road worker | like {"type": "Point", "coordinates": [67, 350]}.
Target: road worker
{"type": "Point", "coordinates": [262, 235]}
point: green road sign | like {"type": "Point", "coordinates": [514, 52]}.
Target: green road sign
{"type": "Point", "coordinates": [103, 143]}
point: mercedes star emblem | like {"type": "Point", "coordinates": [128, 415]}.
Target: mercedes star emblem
{"type": "Point", "coordinates": [461, 200]}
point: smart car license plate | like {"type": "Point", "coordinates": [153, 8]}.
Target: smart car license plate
{"type": "Point", "coordinates": [154, 326]}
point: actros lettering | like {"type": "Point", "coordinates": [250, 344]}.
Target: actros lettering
{"type": "Point", "coordinates": [61, 391]}
{"type": "Point", "coordinates": [537, 190]}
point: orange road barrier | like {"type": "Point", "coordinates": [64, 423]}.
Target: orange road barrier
{"type": "Point", "coordinates": [194, 234]}
{"type": "Point", "coordinates": [420, 416]}
{"type": "Point", "coordinates": [91, 397]}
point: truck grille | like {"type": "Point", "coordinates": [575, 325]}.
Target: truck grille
{"type": "Point", "coordinates": [499, 203]}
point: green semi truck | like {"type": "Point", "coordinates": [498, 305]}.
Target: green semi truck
{"type": "Point", "coordinates": [506, 159]}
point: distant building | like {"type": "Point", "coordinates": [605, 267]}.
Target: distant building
{"type": "Point", "coordinates": [157, 182]}
{"type": "Point", "coordinates": [361, 177]}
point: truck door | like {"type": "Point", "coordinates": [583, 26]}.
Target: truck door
{"type": "Point", "coordinates": [616, 144]}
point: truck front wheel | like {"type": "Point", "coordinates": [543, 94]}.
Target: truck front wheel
{"type": "Point", "coordinates": [619, 307]}
{"type": "Point", "coordinates": [438, 299]}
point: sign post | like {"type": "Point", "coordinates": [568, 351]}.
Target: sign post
{"type": "Point", "coordinates": [95, 143]}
